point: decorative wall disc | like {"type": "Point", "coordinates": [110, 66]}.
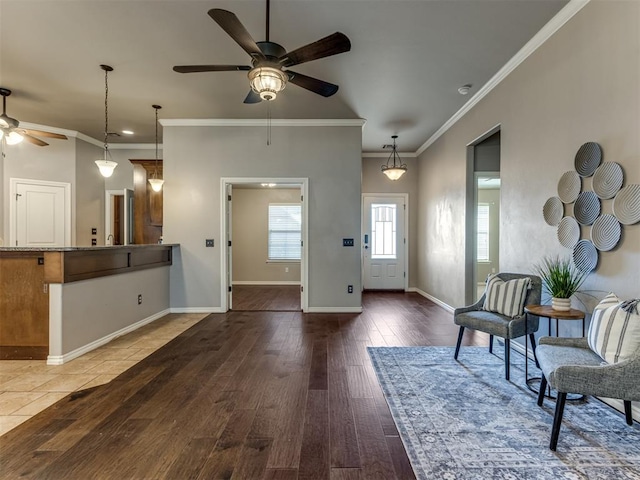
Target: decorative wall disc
{"type": "Point", "coordinates": [552, 211]}
{"type": "Point", "coordinates": [588, 158]}
{"type": "Point", "coordinates": [585, 256]}
{"type": "Point", "coordinates": [626, 205]}
{"type": "Point", "coordinates": [569, 187]}
{"type": "Point", "coordinates": [587, 208]}
{"type": "Point", "coordinates": [605, 232]}
{"type": "Point", "coordinates": [607, 180]}
{"type": "Point", "coordinates": [568, 232]}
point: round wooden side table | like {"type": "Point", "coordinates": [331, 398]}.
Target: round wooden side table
{"type": "Point", "coordinates": [546, 311]}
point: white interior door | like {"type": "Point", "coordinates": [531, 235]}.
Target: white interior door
{"type": "Point", "coordinates": [41, 213]}
{"type": "Point", "coordinates": [383, 243]}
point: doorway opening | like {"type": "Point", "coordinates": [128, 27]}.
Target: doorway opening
{"type": "Point", "coordinates": [118, 217]}
{"type": "Point", "coordinates": [265, 253]}
{"type": "Point", "coordinates": [385, 263]}
{"type": "Point", "coordinates": [482, 213]}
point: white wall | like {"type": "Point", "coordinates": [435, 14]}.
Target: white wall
{"type": "Point", "coordinates": [89, 195]}
{"type": "Point", "coordinates": [581, 85]}
{"type": "Point", "coordinates": [55, 162]}
{"type": "Point", "coordinates": [373, 181]}
{"type": "Point", "coordinates": [195, 158]}
{"type": "Point", "coordinates": [250, 211]}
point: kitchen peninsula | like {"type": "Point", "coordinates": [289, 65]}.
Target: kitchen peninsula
{"type": "Point", "coordinates": [58, 303]}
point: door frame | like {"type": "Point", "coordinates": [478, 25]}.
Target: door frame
{"type": "Point", "coordinates": [470, 284]}
{"type": "Point", "coordinates": [127, 193]}
{"type": "Point", "coordinates": [13, 205]}
{"type": "Point", "coordinates": [363, 227]}
{"type": "Point", "coordinates": [225, 276]}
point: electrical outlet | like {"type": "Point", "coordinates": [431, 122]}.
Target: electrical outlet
{"type": "Point", "coordinates": [94, 231]}
{"type": "Point", "coordinates": [140, 299]}
{"type": "Point", "coordinates": [208, 242]}
{"type": "Point", "coordinates": [94, 242]}
{"type": "Point", "coordinates": [349, 288]}
{"type": "Point", "coordinates": [347, 242]}
{"type": "Point", "coordinates": [286, 269]}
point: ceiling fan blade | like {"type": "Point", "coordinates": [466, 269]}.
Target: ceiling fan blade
{"type": "Point", "coordinates": [252, 97]}
{"type": "Point", "coordinates": [41, 133]}
{"type": "Point", "coordinates": [230, 24]}
{"type": "Point", "coordinates": [210, 68]}
{"type": "Point", "coordinates": [325, 47]}
{"type": "Point", "coordinates": [320, 87]}
{"type": "Point", "coordinates": [34, 140]}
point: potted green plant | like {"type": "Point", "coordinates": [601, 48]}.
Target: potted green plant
{"type": "Point", "coordinates": [561, 280]}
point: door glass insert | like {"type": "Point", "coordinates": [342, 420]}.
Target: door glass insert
{"type": "Point", "coordinates": [383, 231]}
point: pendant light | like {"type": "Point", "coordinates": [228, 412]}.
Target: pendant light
{"type": "Point", "coordinates": [156, 183]}
{"type": "Point", "coordinates": [105, 165]}
{"type": "Point", "coordinates": [397, 169]}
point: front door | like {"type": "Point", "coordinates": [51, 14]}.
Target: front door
{"type": "Point", "coordinates": [40, 211]}
{"type": "Point", "coordinates": [383, 243]}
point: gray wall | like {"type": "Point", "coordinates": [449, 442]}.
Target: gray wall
{"type": "Point", "coordinates": [373, 181]}
{"type": "Point", "coordinates": [196, 158]}
{"type": "Point", "coordinates": [89, 198]}
{"type": "Point", "coordinates": [54, 163]}
{"type": "Point", "coordinates": [581, 85]}
{"type": "Point", "coordinates": [250, 210]}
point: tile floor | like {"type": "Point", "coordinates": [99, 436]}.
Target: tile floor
{"type": "Point", "coordinates": [29, 386]}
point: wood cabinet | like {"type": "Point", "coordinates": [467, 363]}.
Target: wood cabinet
{"type": "Point", "coordinates": [24, 306]}
{"type": "Point", "coordinates": [147, 210]}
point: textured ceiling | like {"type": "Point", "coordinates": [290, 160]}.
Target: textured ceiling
{"type": "Point", "coordinates": [407, 61]}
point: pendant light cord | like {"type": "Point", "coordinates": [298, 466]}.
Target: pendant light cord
{"type": "Point", "coordinates": [155, 170]}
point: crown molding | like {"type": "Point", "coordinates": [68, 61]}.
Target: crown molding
{"type": "Point", "coordinates": [262, 122]}
{"type": "Point", "coordinates": [552, 26]}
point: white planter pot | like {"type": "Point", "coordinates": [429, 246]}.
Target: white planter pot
{"type": "Point", "coordinates": [561, 304]}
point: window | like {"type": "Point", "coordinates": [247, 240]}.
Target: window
{"type": "Point", "coordinates": [383, 231]}
{"type": "Point", "coordinates": [285, 231]}
{"type": "Point", "coordinates": [483, 233]}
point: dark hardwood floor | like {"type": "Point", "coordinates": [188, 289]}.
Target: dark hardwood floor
{"type": "Point", "coordinates": [282, 298]}
{"type": "Point", "coordinates": [242, 395]}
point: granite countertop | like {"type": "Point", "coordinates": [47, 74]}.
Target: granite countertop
{"type": "Point", "coordinates": [73, 249]}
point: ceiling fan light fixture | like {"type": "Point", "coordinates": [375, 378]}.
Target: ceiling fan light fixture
{"type": "Point", "coordinates": [396, 169]}
{"type": "Point", "coordinates": [14, 138]}
{"type": "Point", "coordinates": [267, 82]}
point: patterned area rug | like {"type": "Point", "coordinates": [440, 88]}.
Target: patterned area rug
{"type": "Point", "coordinates": [463, 420]}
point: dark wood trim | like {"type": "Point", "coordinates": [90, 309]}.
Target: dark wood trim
{"type": "Point", "coordinates": [75, 265]}
{"type": "Point", "coordinates": [13, 352]}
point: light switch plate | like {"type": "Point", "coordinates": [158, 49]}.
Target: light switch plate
{"type": "Point", "coordinates": [347, 242]}
{"type": "Point", "coordinates": [209, 242]}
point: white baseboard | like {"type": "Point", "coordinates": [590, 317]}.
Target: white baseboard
{"type": "Point", "coordinates": [435, 300]}
{"type": "Point", "coordinates": [197, 310]}
{"type": "Point", "coordinates": [265, 282]}
{"type": "Point", "coordinates": [61, 359]}
{"type": "Point", "coordinates": [333, 310]}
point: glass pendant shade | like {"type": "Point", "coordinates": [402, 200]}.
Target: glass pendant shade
{"type": "Point", "coordinates": [156, 184]}
{"type": "Point", "coordinates": [394, 173]}
{"type": "Point", "coordinates": [394, 170]}
{"type": "Point", "coordinates": [106, 167]}
{"type": "Point", "coordinates": [267, 82]}
{"type": "Point", "coordinates": [1, 134]}
{"type": "Point", "coordinates": [14, 138]}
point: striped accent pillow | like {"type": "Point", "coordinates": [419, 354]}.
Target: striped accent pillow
{"type": "Point", "coordinates": [614, 333]}
{"type": "Point", "coordinates": [506, 298]}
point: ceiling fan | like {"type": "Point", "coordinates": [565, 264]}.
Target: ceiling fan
{"type": "Point", "coordinates": [267, 74]}
{"type": "Point", "coordinates": [11, 132]}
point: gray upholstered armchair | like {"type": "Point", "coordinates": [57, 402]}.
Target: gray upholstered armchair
{"type": "Point", "coordinates": [475, 318]}
{"type": "Point", "coordinates": [570, 366]}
